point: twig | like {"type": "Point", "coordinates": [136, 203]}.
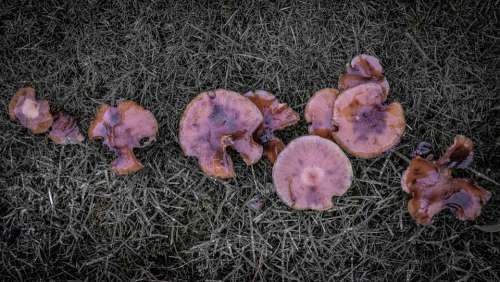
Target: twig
{"type": "Point", "coordinates": [483, 176]}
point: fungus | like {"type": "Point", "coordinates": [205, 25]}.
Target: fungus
{"type": "Point", "coordinates": [215, 120]}
{"type": "Point", "coordinates": [276, 116]}
{"type": "Point", "coordinates": [319, 112]}
{"type": "Point", "coordinates": [459, 155]}
{"type": "Point", "coordinates": [357, 118]}
{"type": "Point", "coordinates": [309, 171]}
{"type": "Point", "coordinates": [64, 130]}
{"type": "Point", "coordinates": [363, 69]}
{"type": "Point", "coordinates": [366, 127]}
{"type": "Point", "coordinates": [30, 112]}
{"type": "Point", "coordinates": [122, 129]}
{"type": "Point", "coordinates": [433, 187]}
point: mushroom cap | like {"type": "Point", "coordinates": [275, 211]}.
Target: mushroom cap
{"type": "Point", "coordinates": [30, 112]}
{"type": "Point", "coordinates": [467, 201]}
{"type": "Point", "coordinates": [215, 120]}
{"type": "Point", "coordinates": [363, 69]}
{"type": "Point", "coordinates": [366, 127]}
{"type": "Point", "coordinates": [122, 129]}
{"type": "Point", "coordinates": [319, 112]}
{"type": "Point", "coordinates": [433, 187]}
{"type": "Point", "coordinates": [309, 171]}
{"type": "Point", "coordinates": [366, 65]}
{"type": "Point", "coordinates": [458, 155]}
{"type": "Point", "coordinates": [65, 130]}
{"type": "Point", "coordinates": [276, 116]}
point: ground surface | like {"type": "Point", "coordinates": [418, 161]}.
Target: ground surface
{"type": "Point", "coordinates": [65, 215]}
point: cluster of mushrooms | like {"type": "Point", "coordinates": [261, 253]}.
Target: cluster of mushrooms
{"type": "Point", "coordinates": [307, 172]}
{"type": "Point", "coordinates": [122, 128]}
{"type": "Point", "coordinates": [310, 170]}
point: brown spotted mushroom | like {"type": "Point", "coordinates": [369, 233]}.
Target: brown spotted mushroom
{"type": "Point", "coordinates": [433, 188]}
{"type": "Point", "coordinates": [64, 130]}
{"type": "Point", "coordinates": [123, 128]}
{"type": "Point", "coordinates": [363, 69]}
{"type": "Point", "coordinates": [310, 171]}
{"type": "Point", "coordinates": [276, 116]}
{"type": "Point", "coordinates": [215, 120]}
{"type": "Point", "coordinates": [30, 112]}
{"type": "Point", "coordinates": [366, 127]}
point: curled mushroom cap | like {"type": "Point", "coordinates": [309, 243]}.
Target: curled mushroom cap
{"type": "Point", "coordinates": [64, 130]}
{"type": "Point", "coordinates": [319, 112]}
{"type": "Point", "coordinates": [459, 155]}
{"type": "Point", "coordinates": [366, 127]}
{"type": "Point", "coordinates": [215, 120]}
{"type": "Point", "coordinates": [122, 129]}
{"type": "Point", "coordinates": [276, 117]}
{"type": "Point", "coordinates": [433, 187]}
{"type": "Point", "coordinates": [309, 171]}
{"type": "Point", "coordinates": [30, 112]}
{"type": "Point", "coordinates": [362, 69]}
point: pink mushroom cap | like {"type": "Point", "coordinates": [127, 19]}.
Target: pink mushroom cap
{"type": "Point", "coordinates": [365, 126]}
{"type": "Point", "coordinates": [215, 120]}
{"type": "Point", "coordinates": [319, 112]}
{"type": "Point", "coordinates": [64, 130]}
{"type": "Point", "coordinates": [30, 112]}
{"type": "Point", "coordinates": [363, 69]}
{"type": "Point", "coordinates": [276, 116]}
{"type": "Point", "coordinates": [310, 171]}
{"type": "Point", "coordinates": [122, 129]}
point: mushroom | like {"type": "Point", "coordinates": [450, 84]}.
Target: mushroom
{"type": "Point", "coordinates": [215, 120]}
{"type": "Point", "coordinates": [276, 116]}
{"type": "Point", "coordinates": [366, 127]}
{"type": "Point", "coordinates": [459, 155]}
{"type": "Point", "coordinates": [319, 112]}
{"type": "Point", "coordinates": [362, 69]}
{"type": "Point", "coordinates": [124, 128]}
{"type": "Point", "coordinates": [64, 130]}
{"type": "Point", "coordinates": [309, 171]}
{"type": "Point", "coordinates": [357, 118]}
{"type": "Point", "coordinates": [30, 112]}
{"type": "Point", "coordinates": [433, 187]}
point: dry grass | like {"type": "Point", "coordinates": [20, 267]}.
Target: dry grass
{"type": "Point", "coordinates": [64, 215]}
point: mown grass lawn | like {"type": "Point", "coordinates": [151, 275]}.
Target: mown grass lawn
{"type": "Point", "coordinates": [65, 215]}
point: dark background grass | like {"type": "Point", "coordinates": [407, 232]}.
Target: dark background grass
{"type": "Point", "coordinates": [65, 215]}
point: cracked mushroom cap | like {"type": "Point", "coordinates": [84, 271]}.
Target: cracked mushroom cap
{"type": "Point", "coordinates": [319, 112]}
{"type": "Point", "coordinates": [433, 187]}
{"type": "Point", "coordinates": [30, 112]}
{"type": "Point", "coordinates": [310, 171]}
{"type": "Point", "coordinates": [215, 120]}
{"type": "Point", "coordinates": [64, 130]}
{"type": "Point", "coordinates": [276, 116]}
{"type": "Point", "coordinates": [364, 69]}
{"type": "Point", "coordinates": [122, 129]}
{"type": "Point", "coordinates": [366, 127]}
